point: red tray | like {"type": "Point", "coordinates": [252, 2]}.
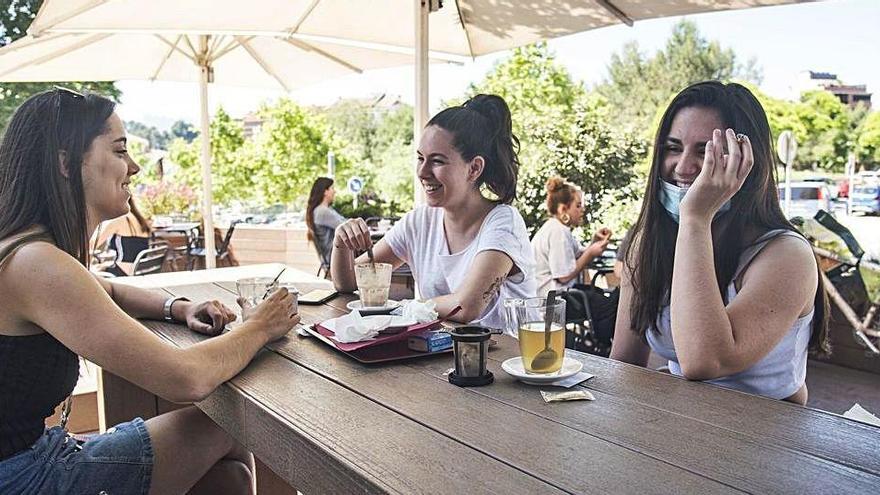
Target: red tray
{"type": "Point", "coordinates": [383, 349]}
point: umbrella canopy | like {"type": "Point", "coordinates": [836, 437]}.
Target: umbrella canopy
{"type": "Point", "coordinates": [288, 43]}
{"type": "Point", "coordinates": [461, 27]}
{"type": "Point", "coordinates": [260, 60]}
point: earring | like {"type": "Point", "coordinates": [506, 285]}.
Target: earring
{"type": "Point", "coordinates": [565, 218]}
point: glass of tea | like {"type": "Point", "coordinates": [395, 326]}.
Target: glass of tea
{"type": "Point", "coordinates": [532, 318]}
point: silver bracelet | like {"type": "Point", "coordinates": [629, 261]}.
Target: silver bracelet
{"type": "Point", "coordinates": [166, 310]}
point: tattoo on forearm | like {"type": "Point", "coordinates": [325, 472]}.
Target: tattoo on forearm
{"type": "Point", "coordinates": [493, 289]}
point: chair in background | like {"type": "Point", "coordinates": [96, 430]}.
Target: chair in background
{"type": "Point", "coordinates": [150, 260]}
{"type": "Point", "coordinates": [222, 252]}
{"type": "Point", "coordinates": [324, 246]}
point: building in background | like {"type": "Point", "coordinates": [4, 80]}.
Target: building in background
{"type": "Point", "coordinates": [848, 94]}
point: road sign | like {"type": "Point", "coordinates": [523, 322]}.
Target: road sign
{"type": "Point", "coordinates": [786, 147]}
{"type": "Point", "coordinates": [355, 184]}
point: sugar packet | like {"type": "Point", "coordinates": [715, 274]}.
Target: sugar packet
{"type": "Point", "coordinates": [566, 396]}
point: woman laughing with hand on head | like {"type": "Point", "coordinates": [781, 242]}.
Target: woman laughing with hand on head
{"type": "Point", "coordinates": [717, 281]}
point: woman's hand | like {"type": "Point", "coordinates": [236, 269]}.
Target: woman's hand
{"type": "Point", "coordinates": [274, 315]}
{"type": "Point", "coordinates": [722, 175]}
{"type": "Point", "coordinates": [209, 317]}
{"type": "Point", "coordinates": [354, 235]}
{"type": "Point", "coordinates": [600, 242]}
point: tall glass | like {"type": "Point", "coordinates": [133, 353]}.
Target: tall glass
{"type": "Point", "coordinates": [373, 282]}
{"type": "Point", "coordinates": [255, 289]}
{"type": "Point", "coordinates": [529, 318]}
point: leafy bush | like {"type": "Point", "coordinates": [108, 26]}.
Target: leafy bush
{"type": "Point", "coordinates": [586, 151]}
{"type": "Point", "coordinates": [164, 198]}
{"type": "Point", "coordinates": [370, 204]}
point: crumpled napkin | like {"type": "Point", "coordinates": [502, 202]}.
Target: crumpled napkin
{"type": "Point", "coordinates": [858, 413]}
{"type": "Point", "coordinates": [352, 328]}
{"type": "Point", "coordinates": [420, 311]}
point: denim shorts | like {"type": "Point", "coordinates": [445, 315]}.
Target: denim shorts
{"type": "Point", "coordinates": [118, 462]}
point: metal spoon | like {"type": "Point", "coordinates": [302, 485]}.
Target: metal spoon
{"type": "Point", "coordinates": [372, 261]}
{"type": "Point", "coordinates": [548, 356]}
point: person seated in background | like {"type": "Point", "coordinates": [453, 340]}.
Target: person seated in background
{"type": "Point", "coordinates": [64, 169]}
{"type": "Point", "coordinates": [716, 280]}
{"type": "Point", "coordinates": [127, 235]}
{"type": "Point", "coordinates": [559, 258]}
{"type": "Point", "coordinates": [321, 218]}
{"type": "Point", "coordinates": [465, 249]}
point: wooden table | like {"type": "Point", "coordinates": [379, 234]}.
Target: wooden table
{"type": "Point", "coordinates": [327, 424]}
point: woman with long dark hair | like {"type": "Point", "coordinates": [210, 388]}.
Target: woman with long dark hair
{"type": "Point", "coordinates": [464, 248]}
{"type": "Point", "coordinates": [321, 218]}
{"type": "Point", "coordinates": [717, 281]}
{"type": "Point", "coordinates": [64, 168]}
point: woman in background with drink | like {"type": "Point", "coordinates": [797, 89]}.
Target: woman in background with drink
{"type": "Point", "coordinates": [716, 280]}
{"type": "Point", "coordinates": [559, 257]}
{"type": "Point", "coordinates": [464, 248]}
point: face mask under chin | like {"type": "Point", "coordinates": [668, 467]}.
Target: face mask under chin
{"type": "Point", "coordinates": [671, 196]}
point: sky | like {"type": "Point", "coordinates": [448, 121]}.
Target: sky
{"type": "Point", "coordinates": [837, 36]}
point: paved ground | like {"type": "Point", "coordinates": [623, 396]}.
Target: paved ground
{"type": "Point", "coordinates": [835, 388]}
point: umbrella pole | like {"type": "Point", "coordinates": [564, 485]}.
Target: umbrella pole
{"type": "Point", "coordinates": [207, 190]}
{"type": "Point", "coordinates": [420, 109]}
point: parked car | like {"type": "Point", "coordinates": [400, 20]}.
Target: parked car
{"type": "Point", "coordinates": [869, 176]}
{"type": "Point", "coordinates": [827, 181]}
{"type": "Point", "coordinates": [866, 199]}
{"type": "Point", "coordinates": [807, 198]}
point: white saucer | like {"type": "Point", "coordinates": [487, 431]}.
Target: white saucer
{"type": "Point", "coordinates": [356, 305]}
{"type": "Point", "coordinates": [514, 367]}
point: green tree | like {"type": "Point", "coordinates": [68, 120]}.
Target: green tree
{"type": "Point", "coordinates": [639, 86]}
{"type": "Point", "coordinates": [377, 140]}
{"type": "Point", "coordinates": [233, 177]}
{"type": "Point", "coordinates": [868, 143]}
{"type": "Point", "coordinates": [158, 139]}
{"type": "Point", "coordinates": [183, 130]}
{"type": "Point", "coordinates": [290, 152]}
{"type": "Point", "coordinates": [595, 156]}
{"type": "Point", "coordinates": [15, 17]}
{"type": "Point", "coordinates": [564, 131]}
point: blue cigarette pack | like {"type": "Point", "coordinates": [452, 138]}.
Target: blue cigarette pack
{"type": "Point", "coordinates": [430, 341]}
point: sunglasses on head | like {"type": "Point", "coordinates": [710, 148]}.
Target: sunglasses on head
{"type": "Point", "coordinates": [61, 90]}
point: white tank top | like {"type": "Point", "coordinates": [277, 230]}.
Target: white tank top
{"type": "Point", "coordinates": [777, 375]}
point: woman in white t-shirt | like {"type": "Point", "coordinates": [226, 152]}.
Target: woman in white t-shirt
{"type": "Point", "coordinates": [559, 257]}
{"type": "Point", "coordinates": [464, 249]}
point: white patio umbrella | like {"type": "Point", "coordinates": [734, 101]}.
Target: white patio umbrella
{"type": "Point", "coordinates": [205, 31]}
{"type": "Point", "coordinates": [257, 60]}
{"type": "Point", "coordinates": [460, 27]}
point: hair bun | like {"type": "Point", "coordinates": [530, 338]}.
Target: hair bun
{"type": "Point", "coordinates": [555, 184]}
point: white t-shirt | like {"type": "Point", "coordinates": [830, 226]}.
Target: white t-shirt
{"type": "Point", "coordinates": [556, 252]}
{"type": "Point", "coordinates": [419, 239]}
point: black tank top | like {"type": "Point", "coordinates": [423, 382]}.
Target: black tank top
{"type": "Point", "coordinates": [36, 374]}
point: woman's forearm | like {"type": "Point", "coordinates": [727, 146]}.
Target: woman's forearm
{"type": "Point", "coordinates": [144, 303]}
{"type": "Point", "coordinates": [579, 266]}
{"type": "Point", "coordinates": [342, 269]}
{"type": "Point", "coordinates": [215, 361]}
{"type": "Point", "coordinates": [700, 325]}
